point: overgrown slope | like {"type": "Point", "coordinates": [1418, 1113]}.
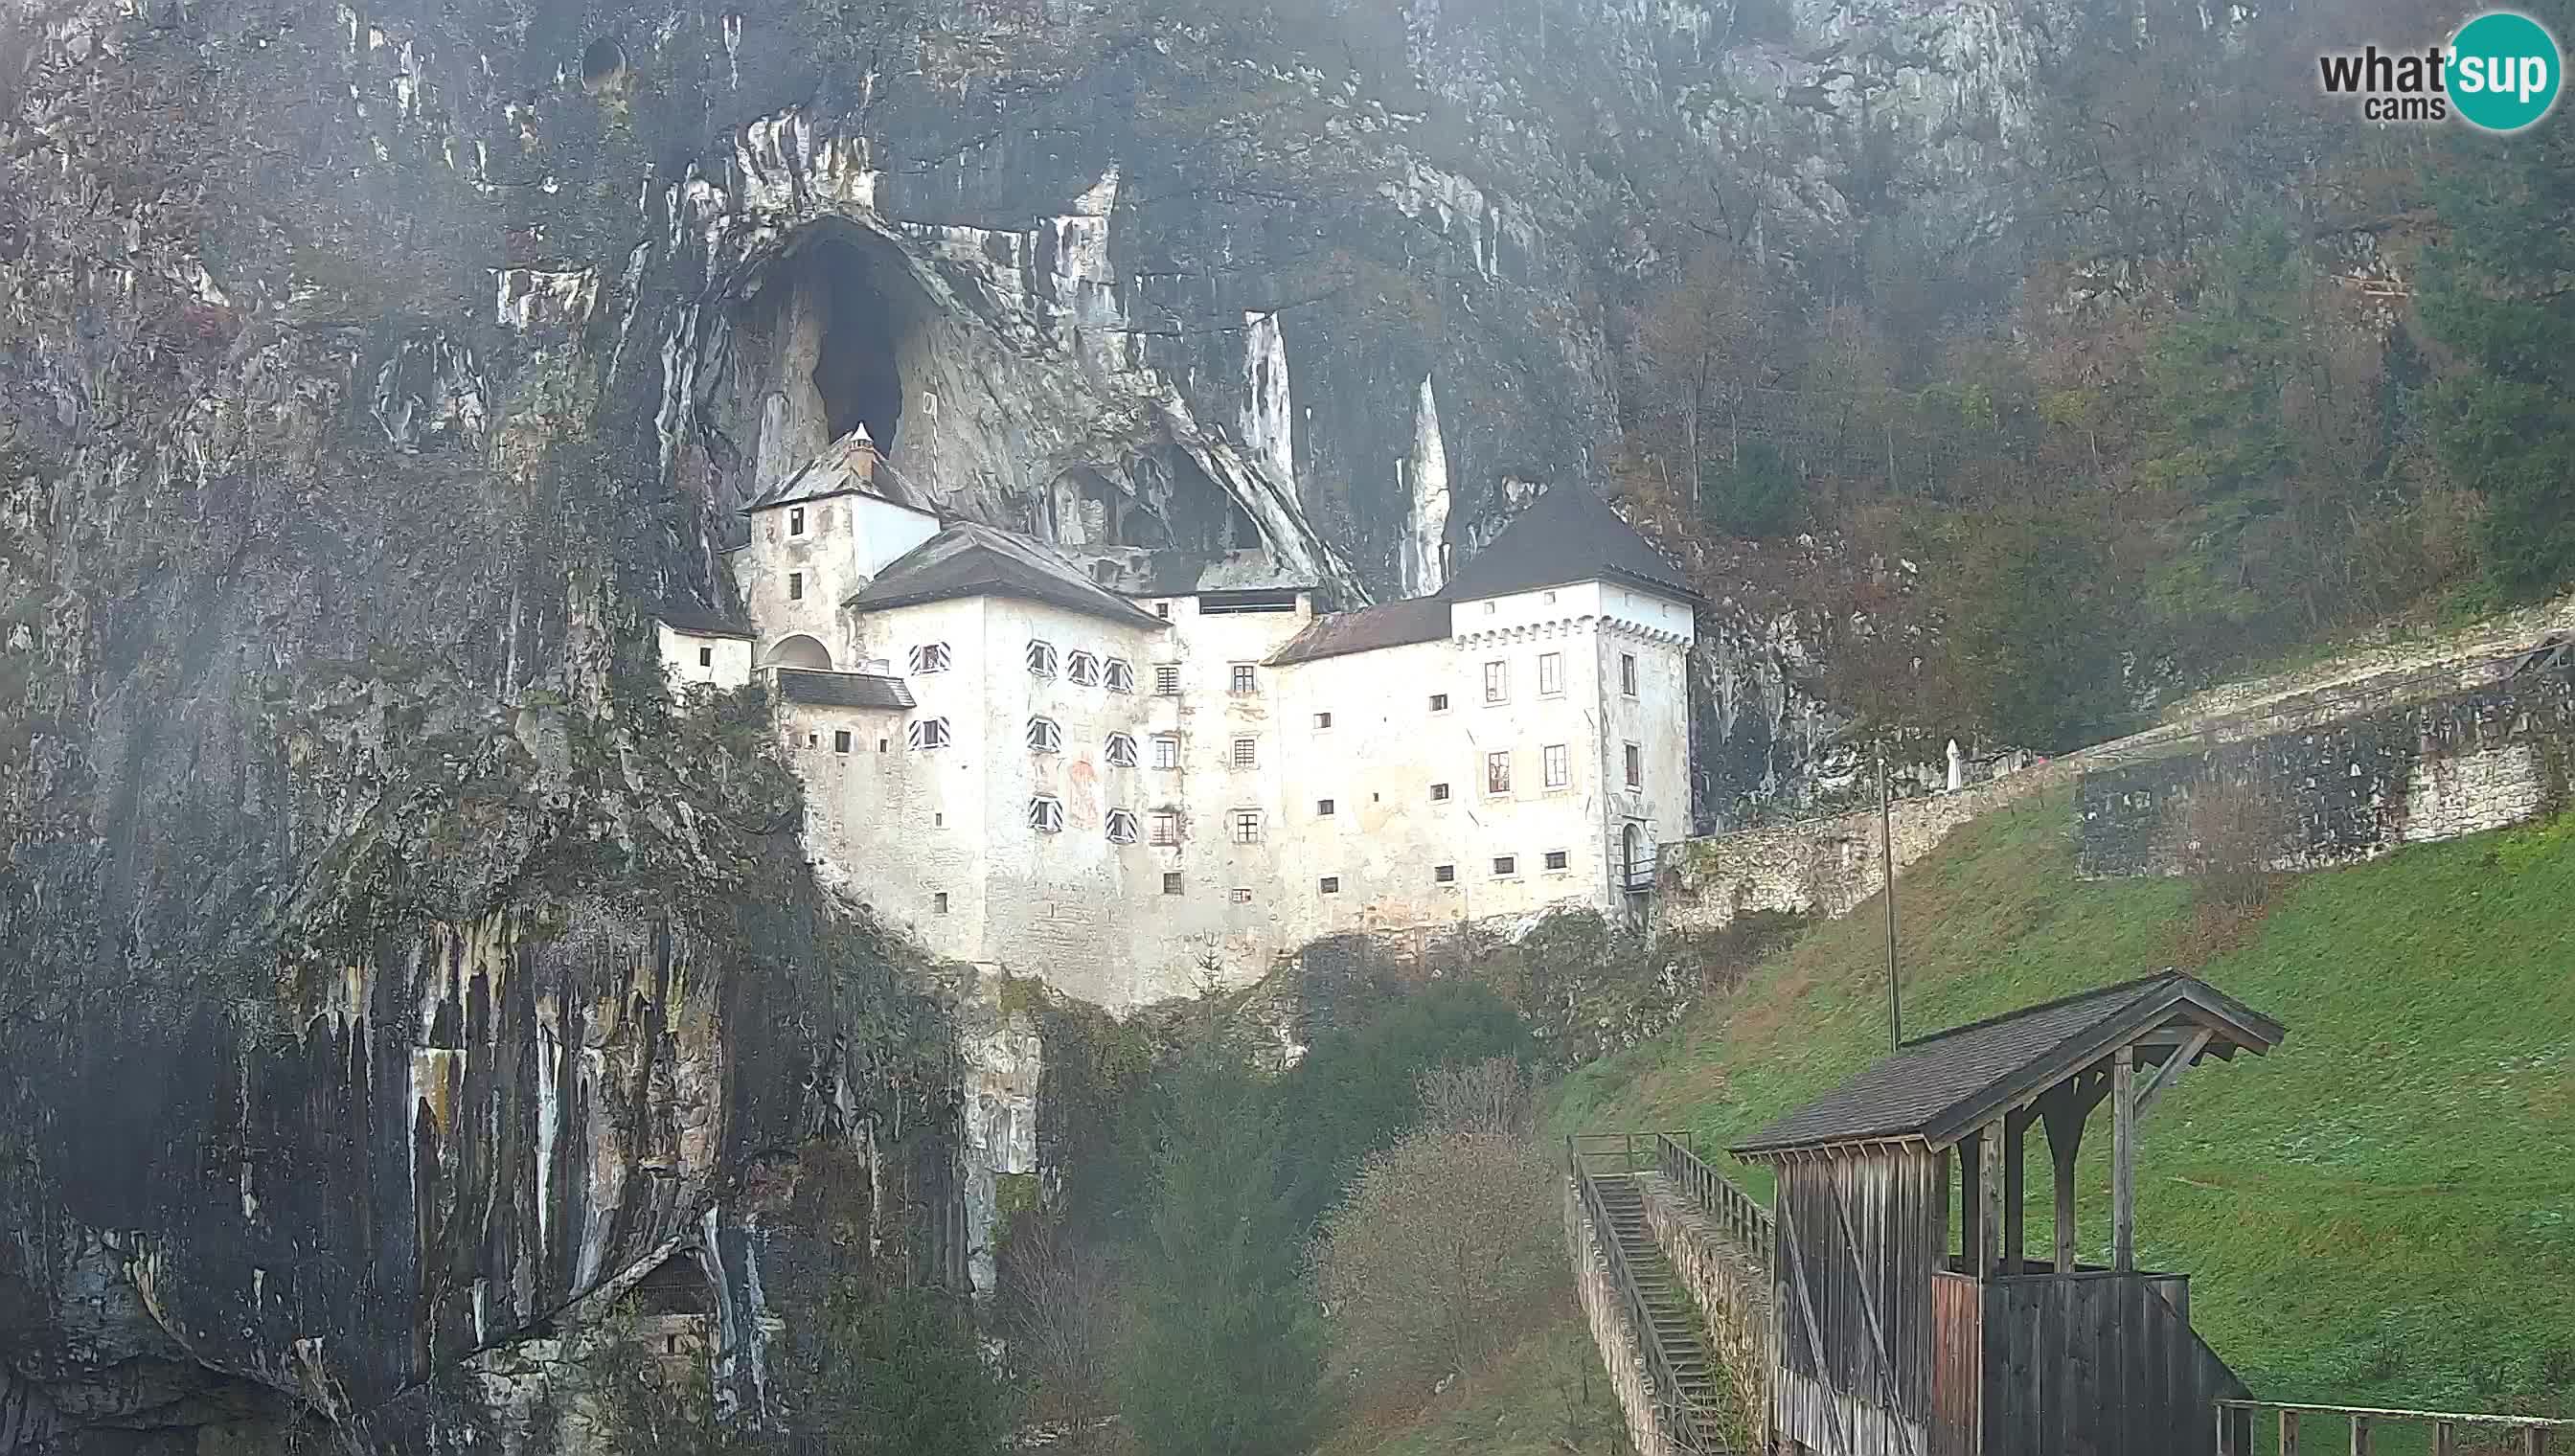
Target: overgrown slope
{"type": "Point", "coordinates": [2382, 1212]}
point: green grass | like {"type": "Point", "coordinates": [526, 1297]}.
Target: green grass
{"type": "Point", "coordinates": [2380, 1212]}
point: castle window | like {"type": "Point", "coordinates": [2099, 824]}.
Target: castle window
{"type": "Point", "coordinates": [1171, 882]}
{"type": "Point", "coordinates": [1331, 885]}
{"type": "Point", "coordinates": [1498, 771]}
{"type": "Point", "coordinates": [1121, 677]}
{"type": "Point", "coordinates": [1247, 826]}
{"type": "Point", "coordinates": [1045, 737]}
{"type": "Point", "coordinates": [794, 585]}
{"type": "Point", "coordinates": [1560, 766]}
{"type": "Point", "coordinates": [706, 656]}
{"type": "Point", "coordinates": [1506, 866]}
{"type": "Point", "coordinates": [1121, 750]}
{"type": "Point", "coordinates": [1046, 814]}
{"type": "Point", "coordinates": [1083, 670]}
{"type": "Point", "coordinates": [1635, 766]}
{"type": "Point", "coordinates": [928, 657]}
{"type": "Point", "coordinates": [930, 732]}
{"type": "Point", "coordinates": [1323, 806]}
{"type": "Point", "coordinates": [881, 745]}
{"type": "Point", "coordinates": [1323, 719]}
{"type": "Point", "coordinates": [1247, 753]}
{"type": "Point", "coordinates": [1438, 703]}
{"type": "Point", "coordinates": [1244, 681]}
{"type": "Point", "coordinates": [796, 521]}
{"type": "Point", "coordinates": [938, 903]}
{"type": "Point", "coordinates": [1163, 609]}
{"type": "Point", "coordinates": [840, 741]}
{"type": "Point", "coordinates": [1167, 827]}
{"type": "Point", "coordinates": [1555, 860]}
{"type": "Point", "coordinates": [1166, 679]}
{"type": "Point", "coordinates": [1498, 682]}
{"type": "Point", "coordinates": [1166, 750]}
{"type": "Point", "coordinates": [1242, 895]}
{"type": "Point", "coordinates": [1627, 674]}
{"type": "Point", "coordinates": [1550, 675]}
{"type": "Point", "coordinates": [1122, 827]}
{"type": "Point", "coordinates": [1040, 659]}
{"type": "Point", "coordinates": [1443, 874]}
{"type": "Point", "coordinates": [1439, 794]}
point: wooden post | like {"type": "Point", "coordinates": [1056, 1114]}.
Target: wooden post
{"type": "Point", "coordinates": [1989, 1218]}
{"type": "Point", "coordinates": [2360, 1436]}
{"type": "Point", "coordinates": [2226, 1443]}
{"type": "Point", "coordinates": [1971, 1236]}
{"type": "Point", "coordinates": [2288, 1433]}
{"type": "Point", "coordinates": [2066, 1110]}
{"type": "Point", "coordinates": [2445, 1438]}
{"type": "Point", "coordinates": [2015, 1195]}
{"type": "Point", "coordinates": [2123, 1162]}
{"type": "Point", "coordinates": [2534, 1441]}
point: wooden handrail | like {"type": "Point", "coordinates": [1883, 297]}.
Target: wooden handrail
{"type": "Point", "coordinates": [2236, 1425]}
{"type": "Point", "coordinates": [1686, 1421]}
{"type": "Point", "coordinates": [1743, 1221]}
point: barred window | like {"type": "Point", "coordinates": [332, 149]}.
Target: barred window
{"type": "Point", "coordinates": [1247, 753]}
{"type": "Point", "coordinates": [1121, 750]}
{"type": "Point", "coordinates": [1045, 737]}
{"type": "Point", "coordinates": [1506, 866]}
{"type": "Point", "coordinates": [929, 733]}
{"type": "Point", "coordinates": [1166, 679]}
{"type": "Point", "coordinates": [1557, 859]}
{"type": "Point", "coordinates": [1243, 682]}
{"type": "Point", "coordinates": [1331, 885]}
{"type": "Point", "coordinates": [794, 585]}
{"type": "Point", "coordinates": [1167, 827]}
{"type": "Point", "coordinates": [928, 657]}
{"type": "Point", "coordinates": [1121, 677]}
{"type": "Point", "coordinates": [1247, 826]}
{"type": "Point", "coordinates": [1041, 659]}
{"type": "Point", "coordinates": [1443, 874]}
{"type": "Point", "coordinates": [1122, 827]}
{"type": "Point", "coordinates": [1082, 669]}
{"type": "Point", "coordinates": [1046, 814]}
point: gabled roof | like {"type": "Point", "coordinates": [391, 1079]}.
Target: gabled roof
{"type": "Point", "coordinates": [968, 560]}
{"type": "Point", "coordinates": [1391, 624]}
{"type": "Point", "coordinates": [848, 466]}
{"type": "Point", "coordinates": [1940, 1089]}
{"type": "Point", "coordinates": [1568, 535]}
{"type": "Point", "coordinates": [842, 690]}
{"type": "Point", "coordinates": [700, 621]}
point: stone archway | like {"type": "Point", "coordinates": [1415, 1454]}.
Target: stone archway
{"type": "Point", "coordinates": [800, 650]}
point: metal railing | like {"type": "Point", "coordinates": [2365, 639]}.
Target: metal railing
{"type": "Point", "coordinates": [1692, 1425]}
{"type": "Point", "coordinates": [2235, 1427]}
{"type": "Point", "coordinates": [1728, 1207]}
{"type": "Point", "coordinates": [1639, 876]}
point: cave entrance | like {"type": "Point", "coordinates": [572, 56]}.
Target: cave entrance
{"type": "Point", "coordinates": [865, 305]}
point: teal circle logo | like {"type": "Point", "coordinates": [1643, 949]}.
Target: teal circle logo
{"type": "Point", "coordinates": [2504, 70]}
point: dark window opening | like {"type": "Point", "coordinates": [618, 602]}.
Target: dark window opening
{"type": "Point", "coordinates": [1555, 860]}
{"type": "Point", "coordinates": [1323, 806]}
{"type": "Point", "coordinates": [1445, 873]}
{"type": "Point", "coordinates": [794, 585]}
{"type": "Point", "coordinates": [1438, 703]}
{"type": "Point", "coordinates": [706, 656]}
{"type": "Point", "coordinates": [603, 65]}
{"type": "Point", "coordinates": [796, 521]}
{"type": "Point", "coordinates": [840, 741]}
{"type": "Point", "coordinates": [1226, 604]}
{"type": "Point", "coordinates": [1439, 792]}
{"type": "Point", "coordinates": [938, 903]}
{"type": "Point", "coordinates": [1171, 882]}
{"type": "Point", "coordinates": [1331, 885]}
{"type": "Point", "coordinates": [1507, 864]}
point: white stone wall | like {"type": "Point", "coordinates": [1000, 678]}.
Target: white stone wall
{"type": "Point", "coordinates": [847, 540]}
{"type": "Point", "coordinates": [728, 668]}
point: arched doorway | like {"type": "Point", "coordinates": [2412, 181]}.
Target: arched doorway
{"type": "Point", "coordinates": [799, 650]}
{"type": "Point", "coordinates": [1636, 866]}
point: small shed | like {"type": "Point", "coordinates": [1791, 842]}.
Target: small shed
{"type": "Point", "coordinates": [1891, 1341]}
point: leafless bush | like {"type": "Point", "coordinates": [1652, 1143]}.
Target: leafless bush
{"type": "Point", "coordinates": [1492, 1095]}
{"type": "Point", "coordinates": [1059, 1312]}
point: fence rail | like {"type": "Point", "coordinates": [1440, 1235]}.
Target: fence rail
{"type": "Point", "coordinates": [1688, 1424]}
{"type": "Point", "coordinates": [1732, 1210]}
{"type": "Point", "coordinates": [2235, 1427]}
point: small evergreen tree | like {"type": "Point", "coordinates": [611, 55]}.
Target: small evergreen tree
{"type": "Point", "coordinates": [899, 1373]}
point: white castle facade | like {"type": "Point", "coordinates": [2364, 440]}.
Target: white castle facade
{"type": "Point", "coordinates": [1123, 793]}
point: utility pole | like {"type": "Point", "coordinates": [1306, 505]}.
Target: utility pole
{"type": "Point", "coordinates": [1886, 866]}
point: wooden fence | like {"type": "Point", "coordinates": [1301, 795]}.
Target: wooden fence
{"type": "Point", "coordinates": [2529, 1435]}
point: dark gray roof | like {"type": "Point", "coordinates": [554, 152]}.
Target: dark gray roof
{"type": "Point", "coordinates": [968, 560]}
{"type": "Point", "coordinates": [700, 621]}
{"type": "Point", "coordinates": [1420, 619]}
{"type": "Point", "coordinates": [848, 466]}
{"type": "Point", "coordinates": [842, 690]}
{"type": "Point", "coordinates": [1566, 534]}
{"type": "Point", "coordinates": [1940, 1087]}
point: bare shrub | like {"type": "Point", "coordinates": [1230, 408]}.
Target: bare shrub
{"type": "Point", "coordinates": [2225, 837]}
{"type": "Point", "coordinates": [1492, 1095]}
{"type": "Point", "coordinates": [1058, 1315]}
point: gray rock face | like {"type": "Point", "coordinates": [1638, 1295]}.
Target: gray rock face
{"type": "Point", "coordinates": [386, 969]}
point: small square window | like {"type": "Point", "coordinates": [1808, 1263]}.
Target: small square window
{"type": "Point", "coordinates": [1247, 753]}
{"type": "Point", "coordinates": [1439, 794]}
{"type": "Point", "coordinates": [938, 903]}
{"type": "Point", "coordinates": [1244, 681]}
{"type": "Point", "coordinates": [1635, 766]}
{"type": "Point", "coordinates": [1550, 675]}
{"type": "Point", "coordinates": [1242, 895]}
{"type": "Point", "coordinates": [1323, 806]}
{"type": "Point", "coordinates": [1331, 885]}
{"type": "Point", "coordinates": [1163, 609]}
{"type": "Point", "coordinates": [1166, 679]}
{"type": "Point", "coordinates": [1556, 858]}
{"type": "Point", "coordinates": [1498, 682]}
{"type": "Point", "coordinates": [1247, 826]}
{"type": "Point", "coordinates": [813, 740]}
{"type": "Point", "coordinates": [840, 741]}
{"type": "Point", "coordinates": [1491, 608]}
{"type": "Point", "coordinates": [1443, 874]}
{"type": "Point", "coordinates": [1627, 674]}
{"type": "Point", "coordinates": [794, 585]}
{"type": "Point", "coordinates": [706, 656]}
{"type": "Point", "coordinates": [1505, 865]}
{"type": "Point", "coordinates": [1438, 703]}
{"type": "Point", "coordinates": [1170, 878]}
{"type": "Point", "coordinates": [796, 521]}
{"type": "Point", "coordinates": [1323, 719]}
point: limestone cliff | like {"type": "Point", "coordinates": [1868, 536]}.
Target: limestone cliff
{"type": "Point", "coordinates": [385, 967]}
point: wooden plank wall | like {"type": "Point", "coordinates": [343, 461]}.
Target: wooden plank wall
{"type": "Point", "coordinates": [2101, 1364]}
{"type": "Point", "coordinates": [1957, 1363]}
{"type": "Point", "coordinates": [1855, 1340]}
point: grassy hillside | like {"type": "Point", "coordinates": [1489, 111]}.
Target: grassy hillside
{"type": "Point", "coordinates": [2380, 1212]}
{"type": "Point", "coordinates": [1546, 1397]}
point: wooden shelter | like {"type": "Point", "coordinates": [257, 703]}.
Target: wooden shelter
{"type": "Point", "coordinates": [1890, 1342]}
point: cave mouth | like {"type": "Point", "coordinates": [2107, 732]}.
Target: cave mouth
{"type": "Point", "coordinates": [866, 311]}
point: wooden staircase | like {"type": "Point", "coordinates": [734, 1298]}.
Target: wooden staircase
{"type": "Point", "coordinates": [1672, 1320]}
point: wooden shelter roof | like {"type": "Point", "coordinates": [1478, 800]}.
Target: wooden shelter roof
{"type": "Point", "coordinates": [1939, 1088]}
